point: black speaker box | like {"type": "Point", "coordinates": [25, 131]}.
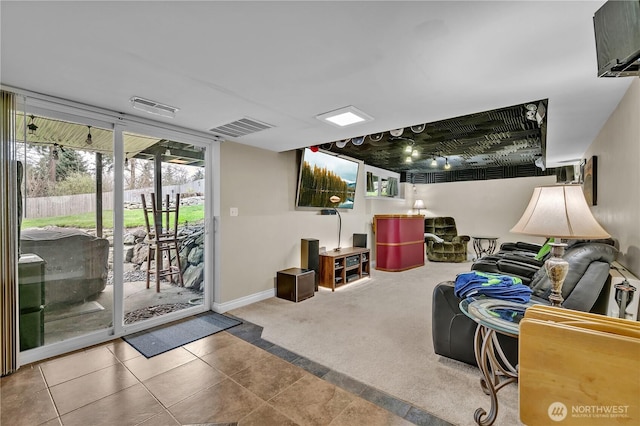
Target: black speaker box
{"type": "Point", "coordinates": [360, 240]}
{"type": "Point", "coordinates": [310, 257]}
{"type": "Point", "coordinates": [295, 284]}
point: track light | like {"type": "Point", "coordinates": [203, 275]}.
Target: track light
{"type": "Point", "coordinates": [408, 159]}
{"type": "Point", "coordinates": [446, 164]}
{"type": "Point", "coordinates": [415, 153]}
{"type": "Point", "coordinates": [31, 126]}
{"type": "Point", "coordinates": [89, 140]}
{"type": "Point", "coordinates": [358, 140]}
{"type": "Point", "coordinates": [434, 162]}
{"type": "Point", "coordinates": [418, 128]}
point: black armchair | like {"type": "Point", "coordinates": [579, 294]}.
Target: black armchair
{"type": "Point", "coordinates": [509, 264]}
{"type": "Point", "coordinates": [521, 247]}
{"type": "Point", "coordinates": [584, 290]}
{"type": "Point", "coordinates": [522, 262]}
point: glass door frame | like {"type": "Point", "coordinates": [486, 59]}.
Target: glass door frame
{"type": "Point", "coordinates": [120, 123]}
{"type": "Point", "coordinates": [119, 327]}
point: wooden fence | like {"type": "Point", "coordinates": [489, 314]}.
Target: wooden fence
{"type": "Point", "coordinates": [65, 205]}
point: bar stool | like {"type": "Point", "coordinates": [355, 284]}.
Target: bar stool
{"type": "Point", "coordinates": [162, 238]}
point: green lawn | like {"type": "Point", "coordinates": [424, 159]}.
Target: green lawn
{"type": "Point", "coordinates": [132, 219]}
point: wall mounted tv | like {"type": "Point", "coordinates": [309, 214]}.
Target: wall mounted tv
{"type": "Point", "coordinates": [618, 38]}
{"type": "Point", "coordinates": [323, 176]}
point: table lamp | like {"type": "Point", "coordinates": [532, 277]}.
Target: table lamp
{"type": "Point", "coordinates": [559, 211]}
{"type": "Point", "coordinates": [419, 204]}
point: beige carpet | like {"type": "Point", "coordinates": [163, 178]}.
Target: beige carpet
{"type": "Point", "coordinates": [378, 331]}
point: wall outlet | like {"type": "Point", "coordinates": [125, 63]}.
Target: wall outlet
{"type": "Point", "coordinates": [233, 211]}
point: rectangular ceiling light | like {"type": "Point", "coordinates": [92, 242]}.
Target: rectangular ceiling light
{"type": "Point", "coordinates": [344, 117]}
{"type": "Point", "coordinates": [153, 107]}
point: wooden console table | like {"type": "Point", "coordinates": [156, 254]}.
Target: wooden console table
{"type": "Point", "coordinates": [344, 266]}
{"type": "Point", "coordinates": [399, 241]}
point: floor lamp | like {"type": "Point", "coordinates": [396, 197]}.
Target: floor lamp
{"type": "Point", "coordinates": [335, 199]}
{"type": "Point", "coordinates": [559, 211]}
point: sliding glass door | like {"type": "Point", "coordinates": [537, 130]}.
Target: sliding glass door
{"type": "Point", "coordinates": [92, 259]}
{"type": "Point", "coordinates": [64, 269]}
{"type": "Point", "coordinates": [163, 253]}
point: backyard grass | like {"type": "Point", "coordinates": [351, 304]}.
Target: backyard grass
{"type": "Point", "coordinates": [132, 219]}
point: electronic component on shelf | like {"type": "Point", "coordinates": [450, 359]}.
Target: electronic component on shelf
{"type": "Point", "coordinates": [353, 260]}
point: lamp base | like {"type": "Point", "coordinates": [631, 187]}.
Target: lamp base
{"type": "Point", "coordinates": [556, 268]}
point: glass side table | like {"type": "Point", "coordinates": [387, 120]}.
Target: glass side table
{"type": "Point", "coordinates": [493, 316]}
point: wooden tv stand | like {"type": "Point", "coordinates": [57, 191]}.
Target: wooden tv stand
{"type": "Point", "coordinates": [345, 266]}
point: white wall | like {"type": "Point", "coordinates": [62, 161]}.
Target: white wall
{"type": "Point", "coordinates": [265, 236]}
{"type": "Point", "coordinates": [618, 150]}
{"type": "Point", "coordinates": [483, 208]}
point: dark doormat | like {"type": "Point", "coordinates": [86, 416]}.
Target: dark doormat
{"type": "Point", "coordinates": [161, 339]}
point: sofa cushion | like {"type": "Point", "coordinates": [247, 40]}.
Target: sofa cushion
{"type": "Point", "coordinates": [580, 257]}
{"type": "Point", "coordinates": [544, 250]}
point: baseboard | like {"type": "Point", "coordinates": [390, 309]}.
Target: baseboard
{"type": "Point", "coordinates": [243, 301]}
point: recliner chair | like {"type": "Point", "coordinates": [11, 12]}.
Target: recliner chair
{"type": "Point", "coordinates": [454, 246]}
{"type": "Point", "coordinates": [584, 289]}
{"type": "Point", "coordinates": [522, 247]}
{"type": "Point", "coordinates": [522, 262]}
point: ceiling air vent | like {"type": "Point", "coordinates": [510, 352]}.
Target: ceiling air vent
{"type": "Point", "coordinates": [153, 107]}
{"type": "Point", "coordinates": [242, 127]}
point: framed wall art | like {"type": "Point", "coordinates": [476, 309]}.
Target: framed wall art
{"type": "Point", "coordinates": [590, 180]}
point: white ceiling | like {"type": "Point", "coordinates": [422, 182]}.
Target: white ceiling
{"type": "Point", "coordinates": [283, 63]}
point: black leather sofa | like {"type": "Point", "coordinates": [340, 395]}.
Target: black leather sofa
{"type": "Point", "coordinates": [585, 289]}
{"type": "Point", "coordinates": [522, 247]}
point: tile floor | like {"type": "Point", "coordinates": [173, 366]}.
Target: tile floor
{"type": "Point", "coordinates": [232, 377]}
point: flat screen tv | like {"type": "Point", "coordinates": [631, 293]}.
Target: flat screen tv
{"type": "Point", "coordinates": [323, 176]}
{"type": "Point", "coordinates": [618, 38]}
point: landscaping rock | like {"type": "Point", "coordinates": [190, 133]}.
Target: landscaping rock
{"type": "Point", "coordinates": [193, 277]}
{"type": "Point", "coordinates": [191, 254]}
{"type": "Point", "coordinates": [129, 239]}
{"type": "Point", "coordinates": [195, 255]}
{"type": "Point", "coordinates": [128, 254]}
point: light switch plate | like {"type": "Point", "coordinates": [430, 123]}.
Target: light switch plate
{"type": "Point", "coordinates": [233, 211]}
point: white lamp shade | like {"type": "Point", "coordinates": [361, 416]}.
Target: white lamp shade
{"type": "Point", "coordinates": [419, 204]}
{"type": "Point", "coordinates": [559, 211]}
